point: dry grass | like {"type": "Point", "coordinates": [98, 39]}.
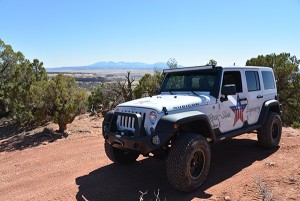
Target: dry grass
{"type": "Point", "coordinates": [157, 198]}
{"type": "Point", "coordinates": [266, 193]}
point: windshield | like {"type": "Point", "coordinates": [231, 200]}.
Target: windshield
{"type": "Point", "coordinates": [191, 81]}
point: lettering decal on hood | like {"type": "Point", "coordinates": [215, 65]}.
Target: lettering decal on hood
{"type": "Point", "coordinates": [142, 102]}
{"type": "Point", "coordinates": [185, 106]}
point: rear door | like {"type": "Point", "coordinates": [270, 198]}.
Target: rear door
{"type": "Point", "coordinates": [254, 95]}
{"type": "Point", "coordinates": [268, 83]}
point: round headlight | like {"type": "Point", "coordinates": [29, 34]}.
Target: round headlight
{"type": "Point", "coordinates": [153, 117]}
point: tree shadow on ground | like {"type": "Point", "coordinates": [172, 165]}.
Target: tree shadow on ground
{"type": "Point", "coordinates": [9, 128]}
{"type": "Point", "coordinates": [14, 137]}
{"type": "Point", "coordinates": [117, 182]}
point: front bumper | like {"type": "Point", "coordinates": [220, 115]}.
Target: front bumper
{"type": "Point", "coordinates": [143, 145]}
{"type": "Point", "coordinates": [125, 139]}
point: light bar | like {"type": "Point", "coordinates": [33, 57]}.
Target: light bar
{"type": "Point", "coordinates": [194, 68]}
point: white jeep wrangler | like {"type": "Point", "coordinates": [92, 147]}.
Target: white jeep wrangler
{"type": "Point", "coordinates": [195, 106]}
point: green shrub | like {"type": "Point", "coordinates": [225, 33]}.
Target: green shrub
{"type": "Point", "coordinates": [296, 124]}
{"type": "Point", "coordinates": [59, 100]}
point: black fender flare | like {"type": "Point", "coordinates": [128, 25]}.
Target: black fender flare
{"type": "Point", "coordinates": [171, 123]}
{"type": "Point", "coordinates": [106, 122]}
{"type": "Point", "coordinates": [270, 105]}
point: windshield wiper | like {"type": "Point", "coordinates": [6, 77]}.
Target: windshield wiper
{"type": "Point", "coordinates": [195, 93]}
{"type": "Point", "coordinates": [170, 92]}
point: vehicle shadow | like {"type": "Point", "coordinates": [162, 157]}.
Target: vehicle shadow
{"type": "Point", "coordinates": [116, 182]}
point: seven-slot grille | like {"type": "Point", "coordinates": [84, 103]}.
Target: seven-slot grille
{"type": "Point", "coordinates": [126, 122]}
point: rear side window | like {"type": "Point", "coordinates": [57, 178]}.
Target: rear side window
{"type": "Point", "coordinates": [252, 81]}
{"type": "Point", "coordinates": [268, 79]}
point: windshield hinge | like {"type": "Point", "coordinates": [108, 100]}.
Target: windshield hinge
{"type": "Point", "coordinates": [165, 110]}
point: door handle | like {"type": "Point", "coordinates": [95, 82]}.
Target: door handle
{"type": "Point", "coordinates": [259, 96]}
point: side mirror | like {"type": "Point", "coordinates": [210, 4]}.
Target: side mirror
{"type": "Point", "coordinates": [229, 89]}
{"type": "Point", "coordinates": [226, 90]}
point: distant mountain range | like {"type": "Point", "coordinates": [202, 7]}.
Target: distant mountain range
{"type": "Point", "coordinates": [112, 65]}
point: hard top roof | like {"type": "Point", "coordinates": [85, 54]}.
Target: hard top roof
{"type": "Point", "coordinates": [197, 68]}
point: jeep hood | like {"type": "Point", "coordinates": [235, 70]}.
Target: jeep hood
{"type": "Point", "coordinates": [171, 102]}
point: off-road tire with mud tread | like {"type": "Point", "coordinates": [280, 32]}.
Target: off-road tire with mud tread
{"type": "Point", "coordinates": [120, 156]}
{"type": "Point", "coordinates": [270, 133]}
{"type": "Point", "coordinates": [179, 163]}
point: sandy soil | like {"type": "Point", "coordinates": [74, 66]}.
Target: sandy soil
{"type": "Point", "coordinates": [39, 164]}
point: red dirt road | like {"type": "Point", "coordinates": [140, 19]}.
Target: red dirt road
{"type": "Point", "coordinates": [38, 165]}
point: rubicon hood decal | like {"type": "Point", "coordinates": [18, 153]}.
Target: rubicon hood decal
{"type": "Point", "coordinates": [186, 106]}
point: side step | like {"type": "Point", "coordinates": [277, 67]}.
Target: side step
{"type": "Point", "coordinates": [236, 132]}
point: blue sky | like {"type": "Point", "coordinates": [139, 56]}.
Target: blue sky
{"type": "Point", "coordinates": [77, 32]}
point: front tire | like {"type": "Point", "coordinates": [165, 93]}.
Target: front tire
{"type": "Point", "coordinates": [188, 162]}
{"type": "Point", "coordinates": [269, 135]}
{"type": "Point", "coordinates": [120, 156]}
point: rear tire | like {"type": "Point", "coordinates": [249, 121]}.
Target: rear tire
{"type": "Point", "coordinates": [120, 156]}
{"type": "Point", "coordinates": [269, 135]}
{"type": "Point", "coordinates": [188, 162]}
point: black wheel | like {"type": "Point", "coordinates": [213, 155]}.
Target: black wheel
{"type": "Point", "coordinates": [188, 162]}
{"type": "Point", "coordinates": [269, 135]}
{"type": "Point", "coordinates": [120, 156]}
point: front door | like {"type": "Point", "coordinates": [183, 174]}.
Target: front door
{"type": "Point", "coordinates": [232, 110]}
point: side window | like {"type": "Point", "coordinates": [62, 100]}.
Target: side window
{"type": "Point", "coordinates": [268, 79]}
{"type": "Point", "coordinates": [233, 77]}
{"type": "Point", "coordinates": [252, 81]}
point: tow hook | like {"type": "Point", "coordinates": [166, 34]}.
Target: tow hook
{"type": "Point", "coordinates": [118, 142]}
